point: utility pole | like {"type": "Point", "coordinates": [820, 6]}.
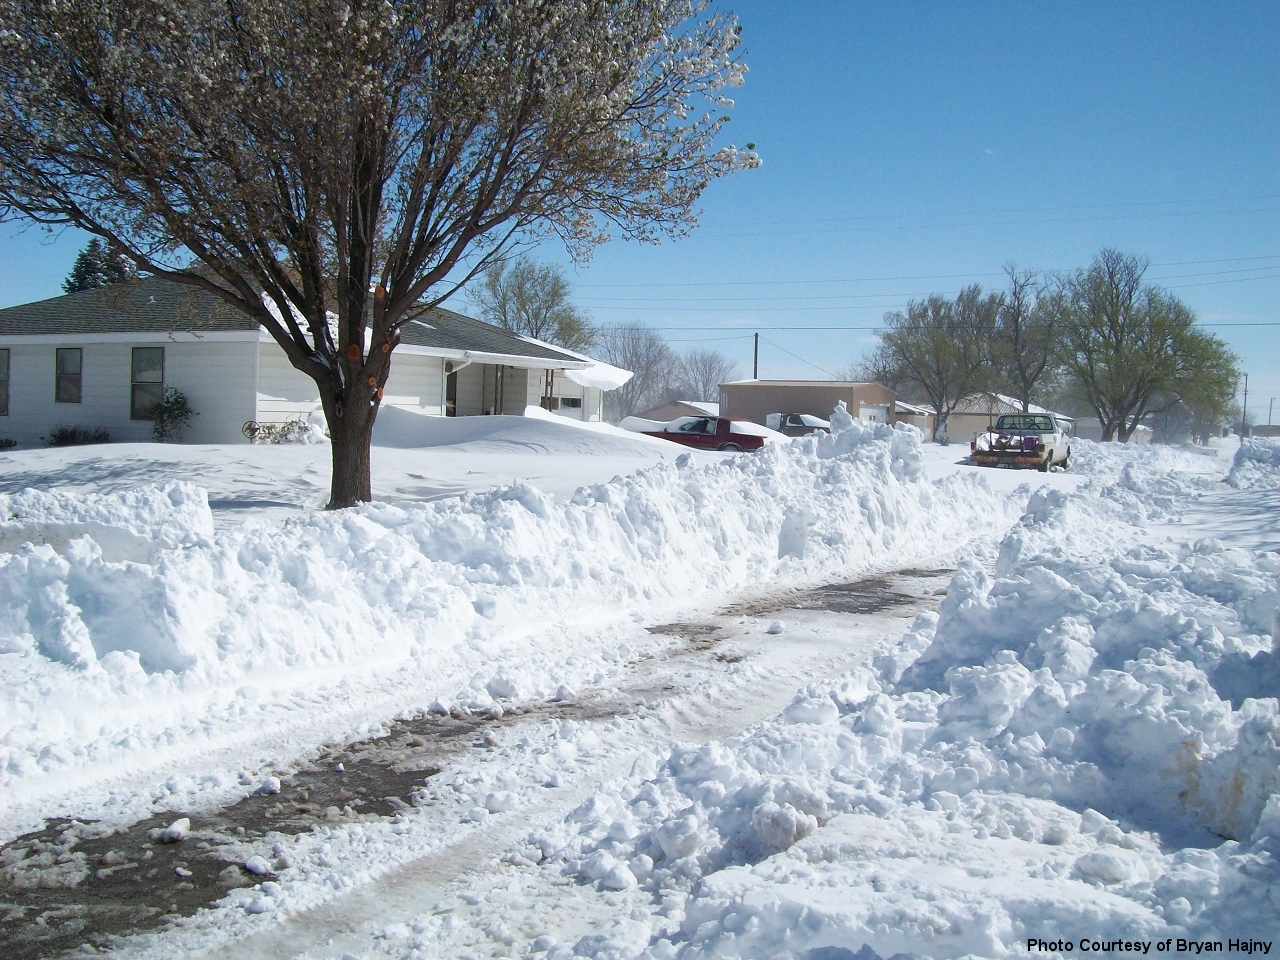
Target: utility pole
{"type": "Point", "coordinates": [1269, 406]}
{"type": "Point", "coordinates": [755, 365]}
{"type": "Point", "coordinates": [1244, 409]}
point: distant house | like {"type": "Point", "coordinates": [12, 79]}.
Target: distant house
{"type": "Point", "coordinates": [102, 358]}
{"type": "Point", "coordinates": [918, 416]}
{"type": "Point", "coordinates": [754, 400]}
{"type": "Point", "coordinates": [977, 414]}
{"type": "Point", "coordinates": [680, 408]}
{"type": "Point", "coordinates": [1090, 428]}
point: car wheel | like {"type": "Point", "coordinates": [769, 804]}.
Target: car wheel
{"type": "Point", "coordinates": [730, 447]}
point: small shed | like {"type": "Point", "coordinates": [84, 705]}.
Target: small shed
{"type": "Point", "coordinates": [919, 416]}
{"type": "Point", "coordinates": [754, 400]}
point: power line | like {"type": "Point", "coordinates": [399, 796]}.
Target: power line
{"type": "Point", "coordinates": [858, 306]}
{"type": "Point", "coordinates": [685, 327]}
{"type": "Point", "coordinates": [801, 359]}
{"type": "Point", "coordinates": [934, 276]}
{"type": "Point", "coordinates": [711, 231]}
{"type": "Point", "coordinates": [869, 296]}
{"type": "Point", "coordinates": [991, 213]}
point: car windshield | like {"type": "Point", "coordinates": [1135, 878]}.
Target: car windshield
{"type": "Point", "coordinates": [1025, 421]}
{"type": "Point", "coordinates": [698, 426]}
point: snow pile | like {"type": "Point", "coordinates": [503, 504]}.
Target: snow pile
{"type": "Point", "coordinates": [1257, 464]}
{"type": "Point", "coordinates": [127, 525]}
{"type": "Point", "coordinates": [1059, 752]}
{"type": "Point", "coordinates": [111, 666]}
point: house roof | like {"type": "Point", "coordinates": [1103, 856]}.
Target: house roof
{"type": "Point", "coordinates": [447, 330]}
{"type": "Point", "coordinates": [988, 404]}
{"type": "Point", "coordinates": [801, 383]}
{"type": "Point", "coordinates": [914, 409]}
{"type": "Point", "coordinates": [151, 305]}
{"type": "Point", "coordinates": [156, 305]}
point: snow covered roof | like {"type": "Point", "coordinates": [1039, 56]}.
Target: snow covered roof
{"type": "Point", "coordinates": [802, 383]}
{"type": "Point", "coordinates": [997, 403]}
{"type": "Point", "coordinates": [914, 409]}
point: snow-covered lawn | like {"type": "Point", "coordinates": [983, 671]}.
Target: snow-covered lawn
{"type": "Point", "coordinates": [1082, 740]}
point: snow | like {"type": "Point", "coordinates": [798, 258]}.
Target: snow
{"type": "Point", "coordinates": [1055, 752]}
{"type": "Point", "coordinates": [1083, 740]}
{"type": "Point", "coordinates": [1256, 464]}
{"type": "Point", "coordinates": [227, 640]}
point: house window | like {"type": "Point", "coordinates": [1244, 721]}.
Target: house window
{"type": "Point", "coordinates": [67, 366]}
{"type": "Point", "coordinates": [570, 403]}
{"type": "Point", "coordinates": [4, 382]}
{"type": "Point", "coordinates": [148, 382]}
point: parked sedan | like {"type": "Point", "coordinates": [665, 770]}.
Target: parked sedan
{"type": "Point", "coordinates": [705, 433]}
{"type": "Point", "coordinates": [797, 424]}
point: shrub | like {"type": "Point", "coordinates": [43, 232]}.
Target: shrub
{"type": "Point", "coordinates": [171, 416]}
{"type": "Point", "coordinates": [7, 444]}
{"type": "Point", "coordinates": [75, 436]}
{"type": "Point", "coordinates": [290, 431]}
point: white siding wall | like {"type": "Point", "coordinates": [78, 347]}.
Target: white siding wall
{"type": "Point", "coordinates": [215, 376]}
{"type": "Point", "coordinates": [416, 383]}
{"type": "Point", "coordinates": [284, 393]}
{"type": "Point", "coordinates": [217, 379]}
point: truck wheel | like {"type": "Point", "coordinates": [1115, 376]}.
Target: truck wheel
{"type": "Point", "coordinates": [730, 448]}
{"type": "Point", "coordinates": [1044, 467]}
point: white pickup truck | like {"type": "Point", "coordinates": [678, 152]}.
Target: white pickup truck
{"type": "Point", "coordinates": [1023, 440]}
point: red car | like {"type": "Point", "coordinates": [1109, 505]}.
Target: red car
{"type": "Point", "coordinates": [705, 433]}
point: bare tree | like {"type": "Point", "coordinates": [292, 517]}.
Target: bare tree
{"type": "Point", "coordinates": [698, 374]}
{"type": "Point", "coordinates": [1025, 340]}
{"type": "Point", "coordinates": [879, 366]}
{"type": "Point", "coordinates": [532, 299]}
{"type": "Point", "coordinates": [640, 349]}
{"type": "Point", "coordinates": [941, 346]}
{"type": "Point", "coordinates": [333, 167]}
{"type": "Point", "coordinates": [1132, 349]}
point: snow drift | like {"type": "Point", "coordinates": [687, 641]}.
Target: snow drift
{"type": "Point", "coordinates": [1085, 742]}
{"type": "Point", "coordinates": [114, 667]}
{"type": "Point", "coordinates": [1256, 464]}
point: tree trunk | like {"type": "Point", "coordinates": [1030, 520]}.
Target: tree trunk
{"type": "Point", "coordinates": [1108, 431]}
{"type": "Point", "coordinates": [350, 434]}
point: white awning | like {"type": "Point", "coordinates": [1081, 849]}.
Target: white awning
{"type": "Point", "coordinates": [601, 375]}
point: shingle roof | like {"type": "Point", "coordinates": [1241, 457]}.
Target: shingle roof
{"type": "Point", "coordinates": [438, 327]}
{"type": "Point", "coordinates": [155, 305]}
{"type": "Point", "coordinates": [151, 305]}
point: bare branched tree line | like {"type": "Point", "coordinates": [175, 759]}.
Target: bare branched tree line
{"type": "Point", "coordinates": [533, 299]}
{"type": "Point", "coordinates": [1099, 341]}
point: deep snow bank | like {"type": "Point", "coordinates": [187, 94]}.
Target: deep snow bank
{"type": "Point", "coordinates": [128, 525]}
{"type": "Point", "coordinates": [120, 667]}
{"type": "Point", "coordinates": [1256, 464]}
{"type": "Point", "coordinates": [1085, 744]}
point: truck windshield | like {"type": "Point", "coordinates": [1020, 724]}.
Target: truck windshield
{"type": "Point", "coordinates": [1025, 421]}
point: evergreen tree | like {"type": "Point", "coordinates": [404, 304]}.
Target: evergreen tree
{"type": "Point", "coordinates": [96, 265]}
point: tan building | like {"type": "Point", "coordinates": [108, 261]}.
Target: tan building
{"type": "Point", "coordinates": [977, 414]}
{"type": "Point", "coordinates": [754, 400]}
{"type": "Point", "coordinates": [919, 416]}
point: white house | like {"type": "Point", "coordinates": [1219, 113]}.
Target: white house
{"type": "Point", "coordinates": [102, 358]}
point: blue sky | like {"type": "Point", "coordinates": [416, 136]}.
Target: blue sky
{"type": "Point", "coordinates": [913, 148]}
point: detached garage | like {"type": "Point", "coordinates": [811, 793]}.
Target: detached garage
{"type": "Point", "coordinates": [754, 400]}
